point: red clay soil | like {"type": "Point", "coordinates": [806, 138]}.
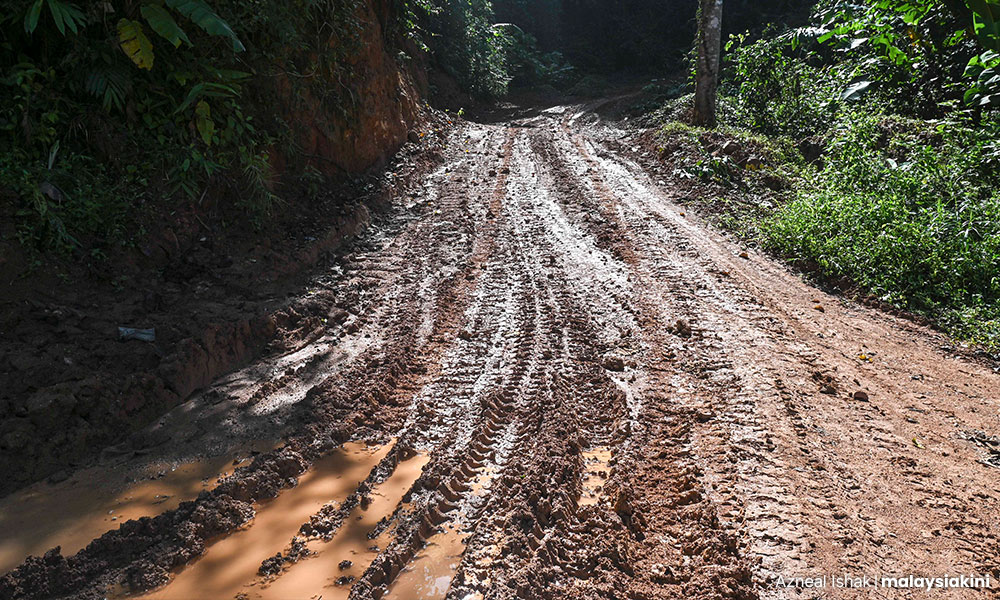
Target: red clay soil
{"type": "Point", "coordinates": [217, 298]}
{"type": "Point", "coordinates": [615, 401]}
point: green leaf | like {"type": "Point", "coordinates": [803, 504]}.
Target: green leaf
{"type": "Point", "coordinates": [985, 16]}
{"type": "Point", "coordinates": [135, 44]}
{"type": "Point", "coordinates": [163, 24]}
{"type": "Point", "coordinates": [203, 121]}
{"type": "Point", "coordinates": [110, 85]}
{"type": "Point", "coordinates": [212, 90]}
{"type": "Point", "coordinates": [56, 10]}
{"type": "Point", "coordinates": [65, 15]}
{"type": "Point", "coordinates": [205, 18]}
{"type": "Point", "coordinates": [31, 18]}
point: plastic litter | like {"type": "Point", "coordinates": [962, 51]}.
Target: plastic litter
{"type": "Point", "coordinates": [143, 335]}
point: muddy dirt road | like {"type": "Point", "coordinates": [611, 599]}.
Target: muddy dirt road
{"type": "Point", "coordinates": [542, 378]}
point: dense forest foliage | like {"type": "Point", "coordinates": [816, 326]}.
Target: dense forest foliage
{"type": "Point", "coordinates": [110, 107]}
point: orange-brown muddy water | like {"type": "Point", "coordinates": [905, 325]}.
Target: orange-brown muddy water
{"type": "Point", "coordinates": [316, 576]}
{"type": "Point", "coordinates": [429, 575]}
{"type": "Point", "coordinates": [230, 565]}
{"type": "Point", "coordinates": [74, 512]}
{"type": "Point", "coordinates": [595, 475]}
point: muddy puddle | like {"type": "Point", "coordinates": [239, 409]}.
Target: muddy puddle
{"type": "Point", "coordinates": [597, 467]}
{"type": "Point", "coordinates": [318, 575]}
{"type": "Point", "coordinates": [229, 565]}
{"type": "Point", "coordinates": [429, 574]}
{"type": "Point", "coordinates": [72, 513]}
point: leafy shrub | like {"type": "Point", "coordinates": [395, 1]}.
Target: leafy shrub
{"type": "Point", "coordinates": [909, 211]}
{"type": "Point", "coordinates": [527, 66]}
{"type": "Point", "coordinates": [467, 44]}
{"type": "Point", "coordinates": [920, 49]}
{"type": "Point", "coordinates": [778, 90]}
{"type": "Point", "coordinates": [106, 105]}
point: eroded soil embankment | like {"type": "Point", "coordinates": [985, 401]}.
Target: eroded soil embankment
{"type": "Point", "coordinates": [69, 388]}
{"type": "Point", "coordinates": [593, 396]}
{"type": "Point", "coordinates": [214, 288]}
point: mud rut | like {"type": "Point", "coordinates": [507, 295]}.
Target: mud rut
{"type": "Point", "coordinates": [610, 401]}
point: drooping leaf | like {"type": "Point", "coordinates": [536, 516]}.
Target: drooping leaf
{"type": "Point", "coordinates": [206, 89]}
{"type": "Point", "coordinates": [31, 18]}
{"type": "Point", "coordinates": [227, 74]}
{"type": "Point", "coordinates": [56, 10]}
{"type": "Point", "coordinates": [110, 85]}
{"type": "Point", "coordinates": [986, 22]}
{"type": "Point", "coordinates": [65, 15]}
{"type": "Point", "coordinates": [203, 121]}
{"type": "Point", "coordinates": [204, 17]}
{"type": "Point", "coordinates": [135, 44]}
{"type": "Point", "coordinates": [163, 24]}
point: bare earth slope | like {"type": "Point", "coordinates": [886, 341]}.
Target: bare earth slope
{"type": "Point", "coordinates": [578, 391]}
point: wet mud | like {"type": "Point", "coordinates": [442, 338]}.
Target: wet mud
{"type": "Point", "coordinates": [567, 387]}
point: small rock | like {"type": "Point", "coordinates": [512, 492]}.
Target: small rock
{"type": "Point", "coordinates": [352, 325]}
{"type": "Point", "coordinates": [345, 580]}
{"type": "Point", "coordinates": [345, 565]}
{"type": "Point", "coordinates": [614, 363]}
{"type": "Point", "coordinates": [682, 328]}
{"type": "Point", "coordinates": [819, 307]}
{"type": "Point", "coordinates": [662, 573]}
{"type": "Point", "coordinates": [860, 396]}
{"type": "Point", "coordinates": [465, 334]}
{"type": "Point", "coordinates": [414, 137]}
{"type": "Point", "coordinates": [732, 147]}
{"type": "Point", "coordinates": [744, 254]}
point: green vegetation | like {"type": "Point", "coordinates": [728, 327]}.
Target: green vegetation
{"type": "Point", "coordinates": [111, 106]}
{"type": "Point", "coordinates": [468, 45]}
{"type": "Point", "coordinates": [895, 100]}
{"type": "Point", "coordinates": [908, 211]}
{"type": "Point", "coordinates": [112, 112]}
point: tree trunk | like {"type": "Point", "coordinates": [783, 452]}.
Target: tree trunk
{"type": "Point", "coordinates": [707, 69]}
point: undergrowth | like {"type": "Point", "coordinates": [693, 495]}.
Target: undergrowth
{"type": "Point", "coordinates": [909, 212]}
{"type": "Point", "coordinates": [897, 199]}
{"type": "Point", "coordinates": [109, 110]}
